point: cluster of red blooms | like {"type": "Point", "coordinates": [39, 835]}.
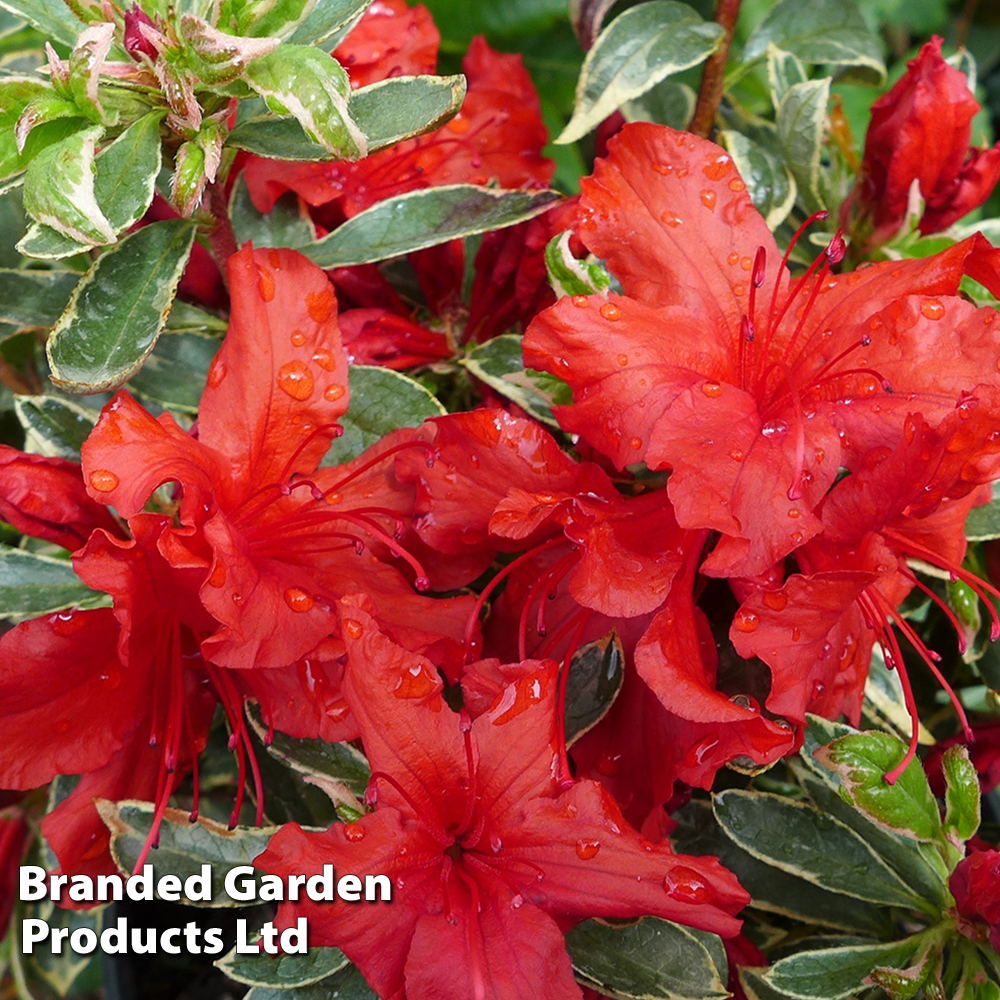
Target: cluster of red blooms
{"type": "Point", "coordinates": [761, 458]}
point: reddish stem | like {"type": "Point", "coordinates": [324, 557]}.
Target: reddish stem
{"type": "Point", "coordinates": [222, 239]}
{"type": "Point", "coordinates": [713, 79]}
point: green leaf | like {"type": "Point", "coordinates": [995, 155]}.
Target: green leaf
{"type": "Point", "coordinates": [801, 122]}
{"type": "Point", "coordinates": [32, 585]}
{"type": "Point", "coordinates": [35, 298]}
{"type": "Point", "coordinates": [348, 984]}
{"type": "Point", "coordinates": [831, 973]}
{"type": "Point", "coordinates": [425, 218]}
{"type": "Point", "coordinates": [186, 318]}
{"type": "Point", "coordinates": [53, 18]}
{"type": "Point", "coordinates": [184, 846]}
{"type": "Point", "coordinates": [381, 401]}
{"type": "Point", "coordinates": [218, 57]}
{"type": "Point", "coordinates": [908, 807]}
{"type": "Point", "coordinates": [595, 678]}
{"type": "Point", "coordinates": [54, 426]}
{"type": "Point", "coordinates": [769, 182]}
{"type": "Point", "coordinates": [640, 47]}
{"type": "Point", "coordinates": [784, 70]}
{"type": "Point", "coordinates": [499, 363]}
{"type": "Point", "coordinates": [832, 32]}
{"type": "Point", "coordinates": [327, 19]}
{"type": "Point", "coordinates": [983, 523]}
{"type": "Point", "coordinates": [124, 182]}
{"type": "Point", "coordinates": [962, 793]}
{"type": "Point", "coordinates": [339, 769]}
{"type": "Point", "coordinates": [569, 276]}
{"type": "Point", "coordinates": [59, 189]}
{"type": "Point", "coordinates": [285, 971]}
{"type": "Point", "coordinates": [273, 18]}
{"type": "Point", "coordinates": [286, 225]}
{"type": "Point", "coordinates": [306, 83]}
{"type": "Point", "coordinates": [923, 871]}
{"type": "Point", "coordinates": [119, 308]}
{"type": "Point", "coordinates": [772, 889]}
{"type": "Point", "coordinates": [174, 375]}
{"type": "Point", "coordinates": [68, 973]}
{"type": "Point", "coordinates": [668, 103]}
{"type": "Point", "coordinates": [803, 841]}
{"type": "Point", "coordinates": [652, 959]}
{"type": "Point", "coordinates": [404, 106]}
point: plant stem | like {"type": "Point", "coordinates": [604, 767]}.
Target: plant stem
{"type": "Point", "coordinates": [714, 76]}
{"type": "Point", "coordinates": [222, 239]}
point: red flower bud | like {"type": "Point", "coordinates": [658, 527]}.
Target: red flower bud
{"type": "Point", "coordinates": [135, 41]}
{"type": "Point", "coordinates": [920, 131]}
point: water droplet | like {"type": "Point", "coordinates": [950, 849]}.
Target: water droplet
{"type": "Point", "coordinates": [746, 620]}
{"type": "Point", "coordinates": [265, 284]}
{"type": "Point", "coordinates": [708, 198]}
{"type": "Point", "coordinates": [737, 454]}
{"type": "Point", "coordinates": [417, 681]}
{"type": "Point", "coordinates": [820, 455]}
{"type": "Point", "coordinates": [797, 537]}
{"type": "Point", "coordinates": [103, 480]}
{"type": "Point", "coordinates": [587, 849]}
{"type": "Point", "coordinates": [687, 885]}
{"type": "Point", "coordinates": [932, 309]}
{"type": "Point", "coordinates": [711, 389]}
{"type": "Point", "coordinates": [746, 263]}
{"type": "Point", "coordinates": [295, 379]}
{"type": "Point", "coordinates": [609, 764]}
{"type": "Point", "coordinates": [218, 575]}
{"type": "Point", "coordinates": [216, 372]}
{"type": "Point", "coordinates": [333, 392]}
{"type": "Point", "coordinates": [733, 258]}
{"type": "Point", "coordinates": [739, 288]}
{"type": "Point", "coordinates": [110, 679]}
{"type": "Point", "coordinates": [717, 165]}
{"type": "Point", "coordinates": [354, 832]}
{"type": "Point", "coordinates": [635, 443]}
{"type": "Point", "coordinates": [298, 338]}
{"type": "Point", "coordinates": [459, 124]}
{"type": "Point", "coordinates": [623, 360]}
{"type": "Point", "coordinates": [737, 185]}
{"type": "Point", "coordinates": [774, 428]}
{"type": "Point", "coordinates": [817, 689]}
{"type": "Point", "coordinates": [327, 360]}
{"type": "Point", "coordinates": [517, 902]}
{"type": "Point", "coordinates": [353, 628]}
{"type": "Point", "coordinates": [794, 512]}
{"type": "Point", "coordinates": [672, 219]}
{"type": "Point", "coordinates": [775, 600]}
{"type": "Point", "coordinates": [321, 305]}
{"type": "Point", "coordinates": [796, 635]}
{"type": "Point", "coordinates": [611, 312]}
{"type": "Point", "coordinates": [237, 599]}
{"type": "Point", "coordinates": [580, 301]}
{"type": "Point", "coordinates": [66, 623]}
{"type": "Point", "coordinates": [745, 701]}
{"type": "Point", "coordinates": [298, 599]}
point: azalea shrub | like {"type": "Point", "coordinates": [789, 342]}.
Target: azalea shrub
{"type": "Point", "coordinates": [540, 455]}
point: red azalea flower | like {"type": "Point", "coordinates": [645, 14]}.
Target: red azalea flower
{"type": "Point", "coordinates": [118, 697]}
{"type": "Point", "coordinates": [752, 388]}
{"type": "Point", "coordinates": [920, 132]}
{"type": "Point", "coordinates": [975, 884]}
{"type": "Point", "coordinates": [816, 631]}
{"type": "Point", "coordinates": [278, 538]}
{"type": "Point", "coordinates": [592, 560]}
{"type": "Point", "coordinates": [485, 851]}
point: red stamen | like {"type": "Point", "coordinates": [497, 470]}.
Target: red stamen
{"type": "Point", "coordinates": [470, 625]}
{"type": "Point", "coordinates": [436, 830]}
{"type": "Point", "coordinates": [465, 725]}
